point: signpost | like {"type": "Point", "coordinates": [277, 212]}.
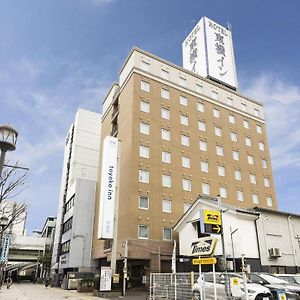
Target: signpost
{"type": "Point", "coordinates": [211, 221]}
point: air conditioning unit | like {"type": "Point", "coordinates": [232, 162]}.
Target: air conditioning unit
{"type": "Point", "coordinates": [274, 252]}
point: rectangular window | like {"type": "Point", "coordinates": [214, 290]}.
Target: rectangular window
{"type": "Point", "coordinates": [165, 113]}
{"type": "Point", "coordinates": [165, 74]}
{"type": "Point", "coordinates": [235, 155]}
{"type": "Point", "coordinates": [167, 234]}
{"type": "Point", "coordinates": [219, 150]}
{"type": "Point", "coordinates": [201, 126]}
{"type": "Point", "coordinates": [186, 185]}
{"type": "Point", "coordinates": [240, 195]}
{"type": "Point", "coordinates": [223, 192]}
{"type": "Point", "coordinates": [200, 107]}
{"type": "Point", "coordinates": [182, 81]}
{"type": "Point", "coordinates": [205, 188]}
{"type": "Point", "coordinates": [166, 181]}
{"type": "Point", "coordinates": [167, 206]}
{"type": "Point", "coordinates": [144, 106]}
{"type": "Point", "coordinates": [186, 162]}
{"type": "Point", "coordinates": [246, 124]}
{"type": "Point", "coordinates": [231, 119]}
{"type": "Point", "coordinates": [145, 86]}
{"type": "Point", "coordinates": [143, 232]}
{"type": "Point", "coordinates": [214, 95]}
{"type": "Point", "coordinates": [143, 176]}
{"type": "Point", "coordinates": [259, 129]}
{"type": "Point", "coordinates": [229, 101]}
{"type": "Point", "coordinates": [269, 201]}
{"type": "Point", "coordinates": [204, 166]}
{"type": "Point", "coordinates": [250, 160]}
{"type": "Point", "coordinates": [199, 88]}
{"type": "Point", "coordinates": [267, 182]}
{"type": "Point", "coordinates": [256, 112]}
{"type": "Point", "coordinates": [144, 151]}
{"type": "Point", "coordinates": [145, 66]}
{"type": "Point", "coordinates": [244, 107]}
{"type": "Point", "coordinates": [184, 120]}
{"type": "Point", "coordinates": [143, 202]}
{"type": "Point", "coordinates": [183, 100]}
{"type": "Point", "coordinates": [233, 136]}
{"type": "Point", "coordinates": [166, 157]}
{"type": "Point", "coordinates": [218, 131]}
{"type": "Point", "coordinates": [165, 134]}
{"type": "Point", "coordinates": [261, 146]}
{"type": "Point", "coordinates": [216, 113]}
{"type": "Point", "coordinates": [186, 206]}
{"type": "Point", "coordinates": [264, 164]}
{"type": "Point", "coordinates": [203, 146]}
{"type": "Point", "coordinates": [144, 128]}
{"type": "Point", "coordinates": [165, 94]}
{"type": "Point", "coordinates": [248, 142]}
{"type": "Point", "coordinates": [185, 140]}
{"type": "Point", "coordinates": [253, 178]}
{"type": "Point", "coordinates": [237, 175]}
{"type": "Point", "coordinates": [255, 198]}
{"type": "Point", "coordinates": [221, 171]}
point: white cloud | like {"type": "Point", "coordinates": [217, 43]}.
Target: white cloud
{"type": "Point", "coordinates": [281, 101]}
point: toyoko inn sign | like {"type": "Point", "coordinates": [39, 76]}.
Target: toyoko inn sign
{"type": "Point", "coordinates": [108, 188]}
{"type": "Point", "coordinates": [208, 51]}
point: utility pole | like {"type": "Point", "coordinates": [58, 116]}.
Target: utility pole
{"type": "Point", "coordinates": [125, 267]}
{"type": "Point", "coordinates": [244, 277]}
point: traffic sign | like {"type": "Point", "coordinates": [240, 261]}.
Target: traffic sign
{"type": "Point", "coordinates": [205, 261]}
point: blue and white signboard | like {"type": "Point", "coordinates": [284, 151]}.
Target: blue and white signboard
{"type": "Point", "coordinates": [6, 240]}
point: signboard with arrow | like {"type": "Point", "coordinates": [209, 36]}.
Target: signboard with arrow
{"type": "Point", "coordinates": [210, 221]}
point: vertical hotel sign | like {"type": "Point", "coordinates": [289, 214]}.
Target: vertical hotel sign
{"type": "Point", "coordinates": [108, 188]}
{"type": "Point", "coordinates": [208, 51]}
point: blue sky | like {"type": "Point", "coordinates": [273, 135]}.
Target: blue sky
{"type": "Point", "coordinates": [58, 55]}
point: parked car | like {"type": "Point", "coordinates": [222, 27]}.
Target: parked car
{"type": "Point", "coordinates": [255, 291]}
{"type": "Point", "coordinates": [276, 285]}
{"type": "Point", "coordinates": [293, 279]}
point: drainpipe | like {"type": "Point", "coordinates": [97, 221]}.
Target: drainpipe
{"type": "Point", "coordinates": [265, 236]}
{"type": "Point", "coordinates": [292, 242]}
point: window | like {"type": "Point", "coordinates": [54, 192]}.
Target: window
{"type": "Point", "coordinates": [145, 66]}
{"type": "Point", "coordinates": [201, 126]}
{"type": "Point", "coordinates": [221, 171]}
{"type": "Point", "coordinates": [167, 206]}
{"type": "Point", "coordinates": [184, 120]}
{"type": "Point", "coordinates": [219, 150]}
{"type": "Point", "coordinates": [199, 88]}
{"type": "Point", "coordinates": [233, 136]}
{"type": "Point", "coordinates": [165, 94]}
{"type": "Point", "coordinates": [229, 101]}
{"type": "Point", "coordinates": [167, 234]}
{"type": "Point", "coordinates": [182, 81]}
{"type": "Point", "coordinates": [145, 86]}
{"type": "Point", "coordinates": [165, 113]}
{"type": "Point", "coordinates": [255, 198]}
{"type": "Point", "coordinates": [143, 232]}
{"type": "Point", "coordinates": [183, 100]}
{"type": "Point", "coordinates": [65, 247]}
{"type": "Point", "coordinates": [185, 140]}
{"type": "Point", "coordinates": [261, 146]}
{"type": "Point", "coordinates": [216, 113]}
{"type": "Point", "coordinates": [166, 157]}
{"type": "Point", "coordinates": [144, 151]}
{"type": "Point", "coordinates": [223, 192]}
{"type": "Point", "coordinates": [237, 175]}
{"type": "Point", "coordinates": [144, 128]}
{"type": "Point", "coordinates": [205, 188]}
{"type": "Point", "coordinates": [143, 202]}
{"type": "Point", "coordinates": [204, 166]}
{"type": "Point", "coordinates": [248, 141]}
{"type": "Point", "coordinates": [231, 119]}
{"type": "Point", "coordinates": [264, 164]}
{"type": "Point", "coordinates": [166, 180]}
{"type": "Point", "coordinates": [203, 146]}
{"type": "Point", "coordinates": [218, 131]}
{"type": "Point", "coordinates": [186, 162]}
{"type": "Point", "coordinates": [253, 178]}
{"type": "Point", "coordinates": [200, 107]}
{"type": "Point", "coordinates": [240, 195]}
{"type": "Point", "coordinates": [235, 155]}
{"type": "Point", "coordinates": [256, 112]}
{"type": "Point", "coordinates": [165, 74]}
{"type": "Point", "coordinates": [70, 203]}
{"type": "Point", "coordinates": [165, 134]}
{"type": "Point", "coordinates": [267, 182]}
{"type": "Point", "coordinates": [259, 129]}
{"type": "Point", "coordinates": [186, 206]}
{"type": "Point", "coordinates": [144, 106]}
{"type": "Point", "coordinates": [269, 201]}
{"type": "Point", "coordinates": [250, 160]}
{"type": "Point", "coordinates": [143, 176]}
{"type": "Point", "coordinates": [67, 225]}
{"type": "Point", "coordinates": [246, 124]}
{"type": "Point", "coordinates": [186, 185]}
{"type": "Point", "coordinates": [214, 95]}
{"type": "Point", "coordinates": [244, 107]}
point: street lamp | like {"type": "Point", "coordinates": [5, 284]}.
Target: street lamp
{"type": "Point", "coordinates": [8, 140]}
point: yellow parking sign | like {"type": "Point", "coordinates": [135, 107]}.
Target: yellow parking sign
{"type": "Point", "coordinates": [212, 217]}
